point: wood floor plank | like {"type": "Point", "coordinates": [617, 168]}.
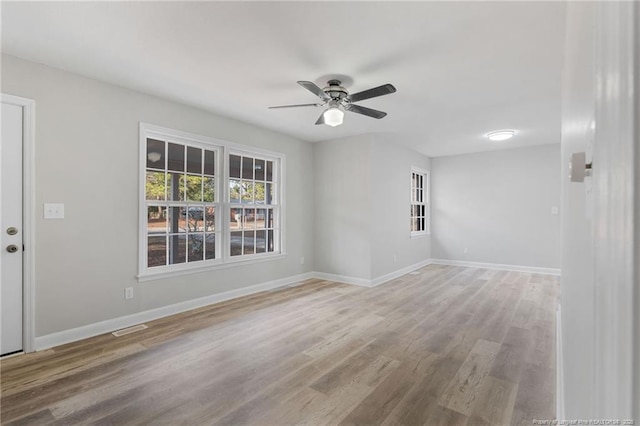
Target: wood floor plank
{"type": "Point", "coordinates": [465, 387]}
{"type": "Point", "coordinates": [495, 403]}
{"type": "Point", "coordinates": [378, 404]}
{"type": "Point", "coordinates": [447, 345]}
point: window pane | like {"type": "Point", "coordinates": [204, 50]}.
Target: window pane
{"type": "Point", "coordinates": [270, 243]}
{"type": "Point", "coordinates": [234, 191]}
{"type": "Point", "coordinates": [249, 219]}
{"type": "Point", "coordinates": [247, 168]}
{"type": "Point", "coordinates": [157, 251]}
{"type": "Point", "coordinates": [177, 219]}
{"type": "Point", "coordinates": [269, 218]}
{"type": "Point", "coordinates": [270, 195]}
{"type": "Point", "coordinates": [175, 187]}
{"type": "Point", "coordinates": [259, 193]}
{"type": "Point", "coordinates": [261, 241]}
{"type": "Point", "coordinates": [259, 168]}
{"type": "Point", "coordinates": [196, 247]}
{"type": "Point", "coordinates": [247, 192]}
{"type": "Point", "coordinates": [249, 242]}
{"type": "Point", "coordinates": [155, 188]}
{"type": "Point", "coordinates": [177, 249]}
{"type": "Point", "coordinates": [176, 157]}
{"type": "Point", "coordinates": [210, 246]}
{"type": "Point", "coordinates": [236, 243]}
{"type": "Point", "coordinates": [234, 166]}
{"type": "Point", "coordinates": [194, 188]}
{"type": "Point", "coordinates": [156, 220]}
{"type": "Point", "coordinates": [236, 219]}
{"type": "Point", "coordinates": [209, 189]}
{"type": "Point", "coordinates": [210, 218]}
{"type": "Point", "coordinates": [194, 160]}
{"type": "Point", "coordinates": [269, 176]}
{"type": "Point", "coordinates": [155, 154]}
{"type": "Point", "coordinates": [196, 219]}
{"type": "Point", "coordinates": [209, 163]}
{"type": "Point", "coordinates": [260, 218]}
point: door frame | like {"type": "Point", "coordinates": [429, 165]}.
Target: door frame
{"type": "Point", "coordinates": [615, 194]}
{"type": "Point", "coordinates": [28, 216]}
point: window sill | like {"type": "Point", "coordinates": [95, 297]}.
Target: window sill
{"type": "Point", "coordinates": [150, 276]}
{"type": "Point", "coordinates": [419, 234]}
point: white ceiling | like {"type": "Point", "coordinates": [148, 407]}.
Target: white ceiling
{"type": "Point", "coordinates": [461, 68]}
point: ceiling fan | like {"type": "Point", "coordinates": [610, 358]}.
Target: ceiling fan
{"type": "Point", "coordinates": [338, 99]}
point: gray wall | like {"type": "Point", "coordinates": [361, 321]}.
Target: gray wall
{"type": "Point", "coordinates": [87, 158]}
{"type": "Point", "coordinates": [391, 192]}
{"type": "Point", "coordinates": [362, 207]}
{"type": "Point", "coordinates": [342, 184]}
{"type": "Point", "coordinates": [498, 206]}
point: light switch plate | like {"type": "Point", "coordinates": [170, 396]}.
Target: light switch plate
{"type": "Point", "coordinates": [53, 211]}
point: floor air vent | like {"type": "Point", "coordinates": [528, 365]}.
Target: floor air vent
{"type": "Point", "coordinates": [129, 330]}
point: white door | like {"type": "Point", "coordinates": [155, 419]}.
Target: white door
{"type": "Point", "coordinates": [11, 230]}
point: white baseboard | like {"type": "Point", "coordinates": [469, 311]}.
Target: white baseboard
{"type": "Point", "coordinates": [107, 326]}
{"type": "Point", "coordinates": [559, 367]}
{"type": "Point", "coordinates": [499, 266]}
{"type": "Point", "coordinates": [364, 282]}
{"type": "Point", "coordinates": [400, 272]}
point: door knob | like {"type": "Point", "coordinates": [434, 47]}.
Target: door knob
{"type": "Point", "coordinates": [12, 248]}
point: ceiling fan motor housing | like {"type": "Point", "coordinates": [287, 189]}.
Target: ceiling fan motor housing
{"type": "Point", "coordinates": [335, 90]}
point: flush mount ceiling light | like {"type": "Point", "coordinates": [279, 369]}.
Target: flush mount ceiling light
{"type": "Point", "coordinates": [333, 117]}
{"type": "Point", "coordinates": [500, 135]}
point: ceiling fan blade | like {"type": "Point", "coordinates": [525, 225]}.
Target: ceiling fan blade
{"type": "Point", "coordinates": [385, 89]}
{"type": "Point", "coordinates": [295, 106]}
{"type": "Point", "coordinates": [365, 111]}
{"type": "Point", "coordinates": [313, 88]}
{"type": "Point", "coordinates": [320, 119]}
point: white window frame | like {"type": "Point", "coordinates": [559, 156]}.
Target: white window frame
{"type": "Point", "coordinates": [426, 201]}
{"type": "Point", "coordinates": [222, 220]}
{"type": "Point", "coordinates": [276, 204]}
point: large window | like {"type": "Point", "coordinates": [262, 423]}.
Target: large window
{"type": "Point", "coordinates": [205, 202]}
{"type": "Point", "coordinates": [419, 212]}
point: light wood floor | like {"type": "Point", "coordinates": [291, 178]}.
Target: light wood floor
{"type": "Point", "coordinates": [448, 346]}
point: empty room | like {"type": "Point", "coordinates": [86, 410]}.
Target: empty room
{"type": "Point", "coordinates": [320, 213]}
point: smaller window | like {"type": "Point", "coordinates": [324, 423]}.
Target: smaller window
{"type": "Point", "coordinates": [419, 213]}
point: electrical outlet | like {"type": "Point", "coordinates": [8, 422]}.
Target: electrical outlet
{"type": "Point", "coordinates": [555, 210]}
{"type": "Point", "coordinates": [128, 293]}
{"type": "Point", "coordinates": [466, 250]}
{"type": "Point", "coordinates": [302, 260]}
{"type": "Point", "coordinates": [395, 258]}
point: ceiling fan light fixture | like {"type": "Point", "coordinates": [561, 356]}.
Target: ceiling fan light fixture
{"type": "Point", "coordinates": [154, 156]}
{"type": "Point", "coordinates": [500, 135]}
{"type": "Point", "coordinates": [333, 117]}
